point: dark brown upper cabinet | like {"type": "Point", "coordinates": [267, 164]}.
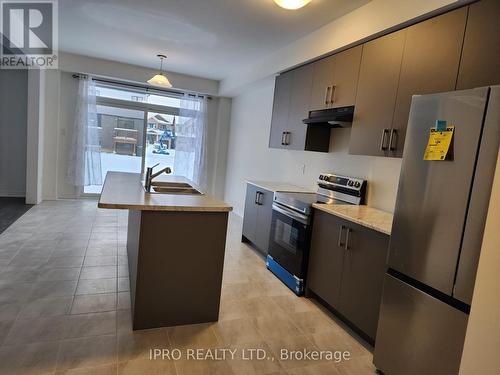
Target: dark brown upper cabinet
{"type": "Point", "coordinates": [335, 80]}
{"type": "Point", "coordinates": [295, 139]}
{"type": "Point", "coordinates": [459, 49]}
{"type": "Point", "coordinates": [281, 105]}
{"type": "Point", "coordinates": [377, 92]}
{"type": "Point", "coordinates": [291, 105]}
{"type": "Point", "coordinates": [292, 94]}
{"type": "Point", "coordinates": [345, 77]}
{"type": "Point", "coordinates": [480, 65]}
{"type": "Point", "coordinates": [430, 65]}
{"type": "Point", "coordinates": [322, 83]}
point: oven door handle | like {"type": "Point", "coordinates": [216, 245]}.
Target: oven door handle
{"type": "Point", "coordinates": [291, 214]}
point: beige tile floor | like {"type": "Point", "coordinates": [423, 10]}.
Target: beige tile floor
{"type": "Point", "coordinates": [65, 306]}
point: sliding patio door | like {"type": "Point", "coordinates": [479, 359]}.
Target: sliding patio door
{"type": "Point", "coordinates": [137, 129]}
{"type": "Point", "coordinates": [160, 140]}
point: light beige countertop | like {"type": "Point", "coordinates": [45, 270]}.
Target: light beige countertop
{"type": "Point", "coordinates": [281, 187]}
{"type": "Point", "coordinates": [125, 191]}
{"type": "Point", "coordinates": [369, 217]}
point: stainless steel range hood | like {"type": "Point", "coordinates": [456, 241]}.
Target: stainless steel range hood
{"type": "Point", "coordinates": [340, 117]}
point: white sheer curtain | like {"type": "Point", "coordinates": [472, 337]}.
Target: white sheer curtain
{"type": "Point", "coordinates": [85, 151]}
{"type": "Point", "coordinates": [191, 137]}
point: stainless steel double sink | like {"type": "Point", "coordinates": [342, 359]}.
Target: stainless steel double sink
{"type": "Point", "coordinates": [159, 187]}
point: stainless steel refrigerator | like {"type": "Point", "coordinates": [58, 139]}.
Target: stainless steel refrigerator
{"type": "Point", "coordinates": [436, 238]}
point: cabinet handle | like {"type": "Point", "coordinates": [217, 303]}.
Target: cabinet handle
{"type": "Point", "coordinates": [340, 244]}
{"type": "Point", "coordinates": [287, 138]}
{"type": "Point", "coordinates": [394, 134]}
{"type": "Point", "coordinates": [259, 196]}
{"type": "Point", "coordinates": [332, 97]}
{"type": "Point", "coordinates": [348, 231]}
{"type": "Point", "coordinates": [383, 147]}
{"type": "Point", "coordinates": [327, 91]}
{"type": "Point", "coordinates": [256, 200]}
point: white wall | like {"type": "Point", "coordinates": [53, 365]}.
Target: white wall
{"type": "Point", "coordinates": [69, 62]}
{"type": "Point", "coordinates": [250, 158]}
{"type": "Point", "coordinates": [35, 135]}
{"type": "Point", "coordinates": [482, 340]}
{"type": "Point", "coordinates": [221, 146]}
{"type": "Point", "coordinates": [68, 91]}
{"type": "Point", "coordinates": [51, 134]}
{"type": "Point", "coordinates": [218, 134]}
{"type": "Point", "coordinates": [13, 129]}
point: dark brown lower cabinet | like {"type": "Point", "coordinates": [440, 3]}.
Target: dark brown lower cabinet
{"type": "Point", "coordinates": [362, 278]}
{"type": "Point", "coordinates": [257, 217]}
{"type": "Point", "coordinates": [175, 276]}
{"type": "Point", "coordinates": [325, 258]}
{"type": "Point", "coordinates": [347, 263]}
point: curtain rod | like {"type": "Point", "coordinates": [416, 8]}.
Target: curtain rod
{"type": "Point", "coordinates": [147, 88]}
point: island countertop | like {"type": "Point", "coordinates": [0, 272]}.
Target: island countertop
{"type": "Point", "coordinates": [125, 191]}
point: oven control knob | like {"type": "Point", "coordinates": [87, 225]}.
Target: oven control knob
{"type": "Point", "coordinates": [357, 184]}
{"type": "Point", "coordinates": [321, 177]}
{"type": "Point", "coordinates": [350, 183]}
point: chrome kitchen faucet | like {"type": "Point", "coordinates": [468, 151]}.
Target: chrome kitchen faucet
{"type": "Point", "coordinates": [150, 176]}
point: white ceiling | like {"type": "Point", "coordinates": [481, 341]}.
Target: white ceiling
{"type": "Point", "coordinates": [207, 38]}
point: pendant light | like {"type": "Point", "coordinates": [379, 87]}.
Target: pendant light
{"type": "Point", "coordinates": [292, 4]}
{"type": "Point", "coordinates": [160, 79]}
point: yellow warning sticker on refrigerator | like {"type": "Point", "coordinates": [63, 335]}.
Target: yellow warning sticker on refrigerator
{"type": "Point", "coordinates": [439, 143]}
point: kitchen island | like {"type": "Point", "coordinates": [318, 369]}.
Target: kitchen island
{"type": "Point", "coordinates": [175, 247]}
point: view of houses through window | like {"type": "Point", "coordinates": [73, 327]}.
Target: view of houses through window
{"type": "Point", "coordinates": [136, 130]}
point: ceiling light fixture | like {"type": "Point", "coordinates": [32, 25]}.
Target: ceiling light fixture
{"type": "Point", "coordinates": [292, 4]}
{"type": "Point", "coordinates": [160, 79]}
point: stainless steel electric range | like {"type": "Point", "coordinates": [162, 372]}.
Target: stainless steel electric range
{"type": "Point", "coordinates": [290, 236]}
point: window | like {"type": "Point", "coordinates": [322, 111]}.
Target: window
{"type": "Point", "coordinates": [136, 129]}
